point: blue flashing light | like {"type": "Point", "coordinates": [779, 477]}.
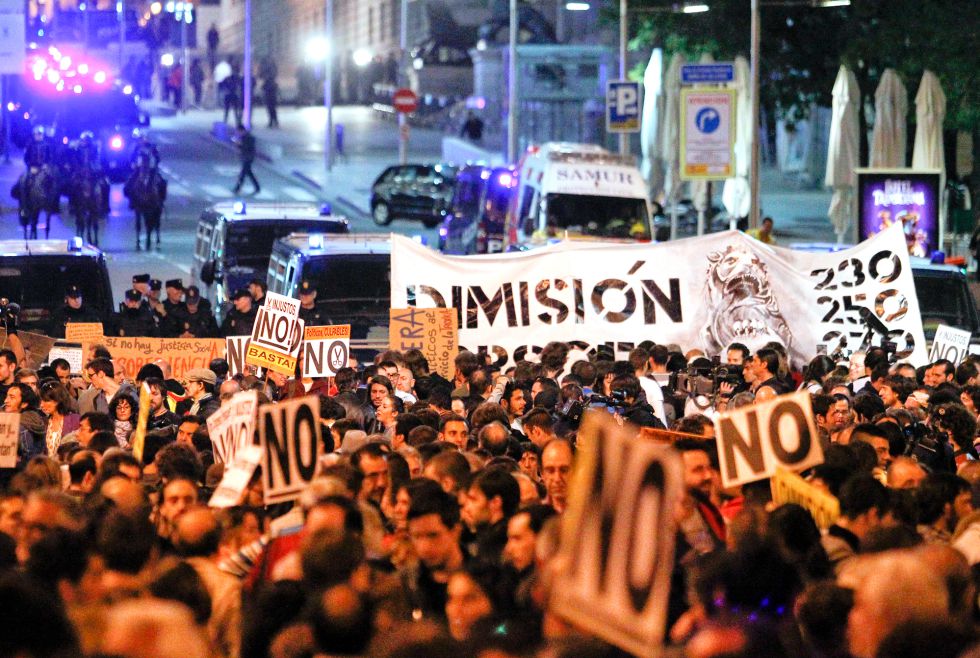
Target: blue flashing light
{"type": "Point", "coordinates": [75, 244]}
{"type": "Point", "coordinates": [238, 208]}
{"type": "Point", "coordinates": [937, 258]}
{"type": "Point", "coordinates": [325, 209]}
{"type": "Point", "coordinates": [316, 241]}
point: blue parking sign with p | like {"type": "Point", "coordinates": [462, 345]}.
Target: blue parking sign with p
{"type": "Point", "coordinates": [622, 106]}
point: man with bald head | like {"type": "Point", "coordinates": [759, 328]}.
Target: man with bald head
{"type": "Point", "coordinates": [128, 496]}
{"type": "Point", "coordinates": [197, 536]}
{"type": "Point", "coordinates": [905, 473]}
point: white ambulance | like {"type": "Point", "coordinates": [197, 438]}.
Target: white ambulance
{"type": "Point", "coordinates": [570, 190]}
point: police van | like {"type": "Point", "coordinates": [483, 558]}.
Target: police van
{"type": "Point", "coordinates": [234, 240]}
{"type": "Point", "coordinates": [570, 190]}
{"type": "Point", "coordinates": [352, 275]}
{"type": "Point", "coordinates": [34, 274]}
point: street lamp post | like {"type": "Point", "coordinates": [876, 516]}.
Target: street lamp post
{"type": "Point", "coordinates": [402, 82]}
{"type": "Point", "coordinates": [512, 86]}
{"type": "Point", "coordinates": [754, 161]}
{"type": "Point", "coordinates": [328, 86]}
{"type": "Point", "coordinates": [247, 65]}
{"type": "Point", "coordinates": [624, 138]}
{"type": "Point", "coordinates": [121, 9]}
{"type": "Point", "coordinates": [184, 13]}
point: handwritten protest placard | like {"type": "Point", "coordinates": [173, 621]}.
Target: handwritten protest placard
{"type": "Point", "coordinates": [182, 354]}
{"type": "Point", "coordinates": [9, 434]}
{"type": "Point", "coordinates": [433, 331]}
{"type": "Point", "coordinates": [84, 332]}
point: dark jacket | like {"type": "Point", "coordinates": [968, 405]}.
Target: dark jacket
{"type": "Point", "coordinates": [246, 147]}
{"type": "Point", "coordinates": [135, 322]}
{"type": "Point", "coordinates": [200, 324]}
{"type": "Point", "coordinates": [237, 323]}
{"type": "Point", "coordinates": [66, 314]}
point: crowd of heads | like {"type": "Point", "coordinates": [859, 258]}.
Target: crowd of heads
{"type": "Point", "coordinates": [431, 526]}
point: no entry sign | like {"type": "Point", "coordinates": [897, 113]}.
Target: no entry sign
{"type": "Point", "coordinates": [405, 101]}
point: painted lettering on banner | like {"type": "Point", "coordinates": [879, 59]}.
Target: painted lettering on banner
{"type": "Point", "coordinates": [705, 292]}
{"type": "Point", "coordinates": [232, 426]}
{"type": "Point", "coordinates": [289, 433]}
{"type": "Point", "coordinates": [754, 441]}
{"type": "Point", "coordinates": [182, 354]}
{"type": "Point", "coordinates": [433, 331]}
{"type": "Point", "coordinates": [326, 350]}
{"type": "Point", "coordinates": [617, 536]}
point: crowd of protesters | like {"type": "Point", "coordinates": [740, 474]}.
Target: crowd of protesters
{"type": "Point", "coordinates": [431, 525]}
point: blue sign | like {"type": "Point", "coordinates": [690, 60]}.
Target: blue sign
{"type": "Point", "coordinates": [712, 74]}
{"type": "Point", "coordinates": [622, 106]}
{"type": "Point", "coordinates": [707, 120]}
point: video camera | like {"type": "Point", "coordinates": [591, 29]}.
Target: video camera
{"type": "Point", "coordinates": [705, 381]}
{"type": "Point", "coordinates": [925, 444]}
{"type": "Point", "coordinates": [571, 412]}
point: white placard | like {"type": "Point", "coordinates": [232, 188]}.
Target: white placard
{"type": "Point", "coordinates": [756, 440]}
{"type": "Point", "coordinates": [9, 439]}
{"type": "Point", "coordinates": [236, 477]}
{"type": "Point", "coordinates": [951, 344]}
{"type": "Point", "coordinates": [325, 350]}
{"type": "Point", "coordinates": [289, 433]}
{"type": "Point", "coordinates": [232, 427]}
{"type": "Point", "coordinates": [73, 355]}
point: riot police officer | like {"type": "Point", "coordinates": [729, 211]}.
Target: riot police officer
{"type": "Point", "coordinates": [240, 319]}
{"type": "Point", "coordinates": [308, 311]}
{"type": "Point", "coordinates": [148, 151]}
{"type": "Point", "coordinates": [87, 152]}
{"type": "Point", "coordinates": [73, 310]}
{"type": "Point", "coordinates": [133, 319]}
{"type": "Point", "coordinates": [192, 319]}
{"type": "Point", "coordinates": [38, 151]}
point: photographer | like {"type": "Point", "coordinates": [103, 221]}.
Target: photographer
{"type": "Point", "coordinates": [636, 410]}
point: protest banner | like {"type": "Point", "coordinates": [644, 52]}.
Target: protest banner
{"type": "Point", "coordinates": [325, 350]}
{"type": "Point", "coordinates": [754, 441]}
{"type": "Point", "coordinates": [84, 332]}
{"type": "Point", "coordinates": [139, 434]}
{"type": "Point", "coordinates": [788, 487]}
{"type": "Point", "coordinates": [36, 346]}
{"type": "Point", "coordinates": [237, 475]}
{"type": "Point", "coordinates": [73, 355]}
{"type": "Point", "coordinates": [951, 344]}
{"type": "Point", "coordinates": [706, 292]}
{"type": "Point", "coordinates": [289, 433]}
{"type": "Point", "coordinates": [9, 439]}
{"type": "Point", "coordinates": [433, 331]}
{"type": "Point", "coordinates": [276, 335]}
{"type": "Point", "coordinates": [617, 536]}
{"type": "Point", "coordinates": [667, 437]}
{"type": "Point", "coordinates": [182, 354]}
{"type": "Point", "coordinates": [232, 426]}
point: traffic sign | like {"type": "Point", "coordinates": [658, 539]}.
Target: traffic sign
{"type": "Point", "coordinates": [717, 73]}
{"type": "Point", "coordinates": [707, 134]}
{"type": "Point", "coordinates": [405, 101]}
{"type": "Point", "coordinates": [622, 106]}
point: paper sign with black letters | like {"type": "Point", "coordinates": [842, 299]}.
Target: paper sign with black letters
{"type": "Point", "coordinates": [617, 535]}
{"type": "Point", "coordinates": [325, 350]}
{"type": "Point", "coordinates": [754, 441]}
{"type": "Point", "coordinates": [9, 439]}
{"type": "Point", "coordinates": [232, 427]}
{"type": "Point", "coordinates": [949, 343]}
{"type": "Point", "coordinates": [789, 487]}
{"type": "Point", "coordinates": [289, 433]}
{"type": "Point", "coordinates": [237, 475]}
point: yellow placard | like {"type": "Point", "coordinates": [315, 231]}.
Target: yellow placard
{"type": "Point", "coordinates": [182, 354]}
{"type": "Point", "coordinates": [139, 434]}
{"type": "Point", "coordinates": [788, 487]}
{"type": "Point", "coordinates": [271, 359]}
{"type": "Point", "coordinates": [434, 331]}
{"type": "Point", "coordinates": [84, 332]}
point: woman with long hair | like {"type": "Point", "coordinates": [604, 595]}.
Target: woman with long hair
{"type": "Point", "coordinates": [57, 406]}
{"type": "Point", "coordinates": [124, 409]}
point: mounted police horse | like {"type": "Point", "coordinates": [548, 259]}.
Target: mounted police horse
{"type": "Point", "coordinates": [146, 190]}
{"type": "Point", "coordinates": [87, 200]}
{"type": "Point", "coordinates": [36, 191]}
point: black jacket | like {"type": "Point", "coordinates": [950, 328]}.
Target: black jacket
{"type": "Point", "coordinates": [237, 323]}
{"type": "Point", "coordinates": [135, 322]}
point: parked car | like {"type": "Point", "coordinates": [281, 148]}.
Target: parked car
{"type": "Point", "coordinates": [413, 191]}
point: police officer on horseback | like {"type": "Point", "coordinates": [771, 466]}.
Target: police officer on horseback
{"type": "Point", "coordinates": [146, 153]}
{"type": "Point", "coordinates": [87, 152]}
{"type": "Point", "coordinates": [38, 151]}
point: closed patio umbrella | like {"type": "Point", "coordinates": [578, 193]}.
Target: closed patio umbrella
{"type": "Point", "coordinates": [842, 155]}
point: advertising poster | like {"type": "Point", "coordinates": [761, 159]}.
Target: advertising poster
{"type": "Point", "coordinates": [901, 196]}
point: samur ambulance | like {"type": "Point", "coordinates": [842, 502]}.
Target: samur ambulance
{"type": "Point", "coordinates": [572, 191]}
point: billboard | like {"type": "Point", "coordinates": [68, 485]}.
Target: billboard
{"type": "Point", "coordinates": [901, 196]}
